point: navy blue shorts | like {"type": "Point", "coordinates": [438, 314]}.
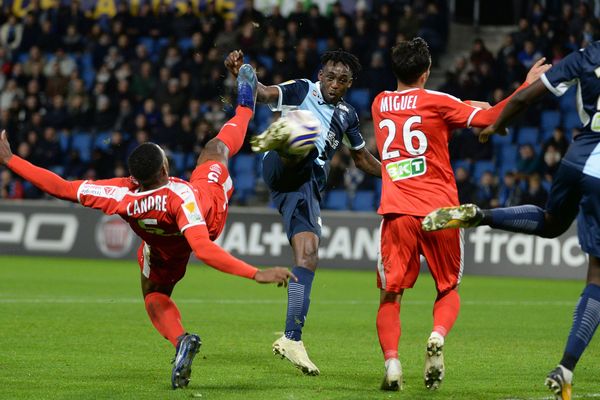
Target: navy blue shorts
{"type": "Point", "coordinates": [577, 194]}
{"type": "Point", "coordinates": [295, 192]}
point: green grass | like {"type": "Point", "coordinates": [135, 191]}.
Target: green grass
{"type": "Point", "coordinates": [77, 329]}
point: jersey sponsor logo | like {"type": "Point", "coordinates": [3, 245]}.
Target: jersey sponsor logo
{"type": "Point", "coordinates": [407, 168]}
{"type": "Point", "coordinates": [109, 190]}
{"type": "Point", "coordinates": [192, 213]}
{"type": "Point", "coordinates": [140, 206]}
{"type": "Point", "coordinates": [113, 236]}
{"type": "Point", "coordinates": [332, 140]}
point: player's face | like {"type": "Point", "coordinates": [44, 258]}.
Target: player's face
{"type": "Point", "coordinates": [335, 80]}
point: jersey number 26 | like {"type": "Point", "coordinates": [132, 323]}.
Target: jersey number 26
{"type": "Point", "coordinates": [408, 135]}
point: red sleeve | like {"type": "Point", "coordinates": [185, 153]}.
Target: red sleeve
{"type": "Point", "coordinates": [45, 180]}
{"type": "Point", "coordinates": [455, 113]}
{"type": "Point", "coordinates": [487, 117]}
{"type": "Point", "coordinates": [212, 254]}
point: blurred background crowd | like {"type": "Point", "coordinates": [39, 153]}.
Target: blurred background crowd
{"type": "Point", "coordinates": [77, 94]}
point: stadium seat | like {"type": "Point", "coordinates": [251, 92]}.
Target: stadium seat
{"type": "Point", "coordinates": [507, 160]}
{"type": "Point", "coordinates": [571, 120]}
{"type": "Point", "coordinates": [244, 186]}
{"type": "Point", "coordinates": [102, 140]}
{"type": "Point", "coordinates": [528, 135]}
{"type": "Point", "coordinates": [359, 99]}
{"type": "Point", "coordinates": [266, 61]}
{"type": "Point", "coordinates": [64, 138]}
{"type": "Point", "coordinates": [185, 44]}
{"type": "Point", "coordinates": [82, 142]}
{"type": "Point", "coordinates": [364, 200]}
{"type": "Point", "coordinates": [336, 200]}
{"type": "Point", "coordinates": [178, 159]}
{"type": "Point", "coordinates": [466, 164]}
{"type": "Point", "coordinates": [567, 101]}
{"type": "Point", "coordinates": [244, 164]}
{"type": "Point", "coordinates": [550, 120]}
{"type": "Point", "coordinates": [506, 139]}
{"type": "Point", "coordinates": [480, 167]}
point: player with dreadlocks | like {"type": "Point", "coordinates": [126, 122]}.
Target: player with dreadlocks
{"type": "Point", "coordinates": [296, 182]}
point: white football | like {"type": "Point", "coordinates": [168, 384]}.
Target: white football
{"type": "Point", "coordinates": [303, 130]}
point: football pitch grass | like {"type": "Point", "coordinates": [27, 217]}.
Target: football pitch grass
{"type": "Point", "coordinates": [77, 329]}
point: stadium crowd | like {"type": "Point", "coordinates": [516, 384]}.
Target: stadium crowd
{"type": "Point", "coordinates": [78, 94]}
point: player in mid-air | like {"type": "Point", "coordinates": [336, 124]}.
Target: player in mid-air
{"type": "Point", "coordinates": [296, 182]}
{"type": "Point", "coordinates": [172, 217]}
{"type": "Point", "coordinates": [412, 129]}
{"type": "Point", "coordinates": [575, 193]}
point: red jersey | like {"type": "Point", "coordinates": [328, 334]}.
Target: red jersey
{"type": "Point", "coordinates": [158, 216]}
{"type": "Point", "coordinates": [412, 130]}
{"type": "Point", "coordinates": [169, 219]}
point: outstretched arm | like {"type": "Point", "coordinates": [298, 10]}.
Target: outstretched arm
{"type": "Point", "coordinates": [365, 161]}
{"type": "Point", "coordinates": [215, 256]}
{"type": "Point", "coordinates": [265, 94]}
{"type": "Point", "coordinates": [45, 180]}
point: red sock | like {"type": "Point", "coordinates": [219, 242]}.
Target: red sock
{"type": "Point", "coordinates": [445, 312]}
{"type": "Point", "coordinates": [164, 316]}
{"type": "Point", "coordinates": [233, 131]}
{"type": "Point", "coordinates": [388, 328]}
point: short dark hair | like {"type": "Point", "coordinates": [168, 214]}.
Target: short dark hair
{"type": "Point", "coordinates": [410, 59]}
{"type": "Point", "coordinates": [145, 162]}
{"type": "Point", "coordinates": [341, 56]}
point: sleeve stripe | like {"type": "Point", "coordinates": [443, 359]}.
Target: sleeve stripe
{"type": "Point", "coordinates": [192, 224]}
{"type": "Point", "coordinates": [279, 101]}
{"type": "Point", "coordinates": [475, 111]}
{"type": "Point", "coordinates": [79, 191]}
{"type": "Point", "coordinates": [549, 86]}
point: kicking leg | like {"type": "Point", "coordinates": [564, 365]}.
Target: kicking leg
{"type": "Point", "coordinates": [389, 329]}
{"type": "Point", "coordinates": [305, 246]}
{"type": "Point", "coordinates": [231, 137]}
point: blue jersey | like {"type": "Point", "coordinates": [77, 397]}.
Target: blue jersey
{"type": "Point", "coordinates": [339, 122]}
{"type": "Point", "coordinates": [581, 68]}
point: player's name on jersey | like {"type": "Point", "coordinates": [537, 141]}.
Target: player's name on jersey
{"type": "Point", "coordinates": [398, 102]}
{"type": "Point", "coordinates": [157, 203]}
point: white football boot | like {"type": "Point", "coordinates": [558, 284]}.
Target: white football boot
{"type": "Point", "coordinates": [295, 352]}
{"type": "Point", "coordinates": [393, 375]}
{"type": "Point", "coordinates": [434, 361]}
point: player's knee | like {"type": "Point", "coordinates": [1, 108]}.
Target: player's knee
{"type": "Point", "coordinates": [215, 149]}
{"type": "Point", "coordinates": [554, 226]}
{"type": "Point", "coordinates": [309, 256]}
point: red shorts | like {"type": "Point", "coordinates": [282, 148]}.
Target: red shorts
{"type": "Point", "coordinates": [403, 242]}
{"type": "Point", "coordinates": [166, 262]}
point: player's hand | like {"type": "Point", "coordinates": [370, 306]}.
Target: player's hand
{"type": "Point", "coordinates": [5, 153]}
{"type": "Point", "coordinates": [485, 134]}
{"type": "Point", "coordinates": [278, 275]}
{"type": "Point", "coordinates": [537, 70]}
{"type": "Point", "coordinates": [234, 61]}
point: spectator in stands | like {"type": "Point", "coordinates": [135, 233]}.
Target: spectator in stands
{"type": "Point", "coordinates": [510, 193]}
{"type": "Point", "coordinates": [11, 33]}
{"type": "Point", "coordinates": [558, 141]}
{"type": "Point", "coordinates": [550, 162]}
{"type": "Point", "coordinates": [535, 193]}
{"type": "Point", "coordinates": [466, 188]}
{"type": "Point", "coordinates": [10, 188]}
{"type": "Point", "coordinates": [487, 191]}
{"type": "Point", "coordinates": [527, 162]}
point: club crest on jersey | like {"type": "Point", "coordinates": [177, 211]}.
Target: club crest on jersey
{"type": "Point", "coordinates": [407, 168]}
{"type": "Point", "coordinates": [216, 168]}
{"type": "Point", "coordinates": [109, 190]}
{"type": "Point", "coordinates": [343, 107]}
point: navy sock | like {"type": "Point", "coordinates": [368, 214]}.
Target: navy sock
{"type": "Point", "coordinates": [585, 321]}
{"type": "Point", "coordinates": [298, 302]}
{"type": "Point", "coordinates": [524, 219]}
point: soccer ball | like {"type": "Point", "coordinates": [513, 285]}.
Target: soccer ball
{"type": "Point", "coordinates": [303, 129]}
{"type": "Point", "coordinates": [293, 134]}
